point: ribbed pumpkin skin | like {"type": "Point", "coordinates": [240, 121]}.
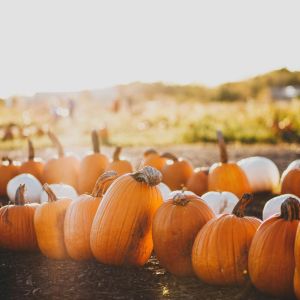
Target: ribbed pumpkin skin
{"type": "Point", "coordinates": [297, 263]}
{"type": "Point", "coordinates": [49, 227]}
{"type": "Point", "coordinates": [64, 169]}
{"type": "Point", "coordinates": [290, 183]}
{"type": "Point", "coordinates": [121, 232]}
{"type": "Point", "coordinates": [297, 283]}
{"type": "Point", "coordinates": [154, 160]}
{"type": "Point", "coordinates": [271, 257]}
{"type": "Point", "coordinates": [17, 229]}
{"type": "Point", "coordinates": [33, 167]}
{"type": "Point", "coordinates": [198, 182]}
{"type": "Point", "coordinates": [7, 172]}
{"type": "Point", "coordinates": [174, 230]}
{"type": "Point", "coordinates": [220, 251]}
{"type": "Point", "coordinates": [176, 175]}
{"type": "Point", "coordinates": [91, 167]}
{"type": "Point", "coordinates": [228, 177]}
{"type": "Point", "coordinates": [121, 167]}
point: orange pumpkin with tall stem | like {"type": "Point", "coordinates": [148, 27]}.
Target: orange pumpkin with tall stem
{"type": "Point", "coordinates": [121, 166]}
{"type": "Point", "coordinates": [153, 159]}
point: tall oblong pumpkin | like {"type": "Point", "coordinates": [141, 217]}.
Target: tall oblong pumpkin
{"type": "Point", "coordinates": [227, 176]}
{"type": "Point", "coordinates": [175, 226]}
{"type": "Point", "coordinates": [121, 232]}
{"type": "Point", "coordinates": [220, 251]}
{"type": "Point", "coordinates": [92, 166]}
{"type": "Point", "coordinates": [49, 225]}
{"type": "Point", "coordinates": [79, 218]}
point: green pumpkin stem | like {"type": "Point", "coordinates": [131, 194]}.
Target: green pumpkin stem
{"type": "Point", "coordinates": [57, 144]}
{"type": "Point", "coordinates": [222, 147]}
{"type": "Point", "coordinates": [98, 190]}
{"type": "Point", "coordinates": [20, 197]}
{"type": "Point", "coordinates": [239, 209]}
{"type": "Point", "coordinates": [290, 209]}
{"type": "Point", "coordinates": [117, 152]}
{"type": "Point", "coordinates": [95, 141]}
{"type": "Point", "coordinates": [51, 196]}
{"type": "Point", "coordinates": [30, 150]}
{"type": "Point", "coordinates": [148, 175]}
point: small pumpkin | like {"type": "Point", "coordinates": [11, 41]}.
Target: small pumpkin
{"type": "Point", "coordinates": [121, 232]}
{"type": "Point", "coordinates": [8, 170]}
{"type": "Point", "coordinates": [153, 159]}
{"type": "Point", "coordinates": [176, 172]}
{"type": "Point", "coordinates": [61, 169]}
{"type": "Point", "coordinates": [92, 166]}
{"type": "Point", "coordinates": [175, 226]}
{"type": "Point", "coordinates": [121, 166]}
{"type": "Point", "coordinates": [290, 180]}
{"type": "Point", "coordinates": [79, 217]}
{"type": "Point", "coordinates": [33, 165]}
{"type": "Point", "coordinates": [220, 202]}
{"type": "Point", "coordinates": [49, 225]}
{"type": "Point", "coordinates": [61, 191]}
{"type": "Point", "coordinates": [262, 173]}
{"type": "Point", "coordinates": [16, 224]}
{"type": "Point", "coordinates": [271, 255]}
{"type": "Point", "coordinates": [227, 176]}
{"type": "Point", "coordinates": [220, 250]}
{"type": "Point", "coordinates": [198, 182]}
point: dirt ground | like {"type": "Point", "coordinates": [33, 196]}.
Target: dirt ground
{"type": "Point", "coordinates": [32, 276]}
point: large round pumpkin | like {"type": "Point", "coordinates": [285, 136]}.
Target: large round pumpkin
{"type": "Point", "coordinates": [271, 255]}
{"type": "Point", "coordinates": [79, 218]}
{"type": "Point", "coordinates": [227, 176]}
{"type": "Point", "coordinates": [49, 225]}
{"type": "Point", "coordinates": [153, 159]}
{"type": "Point", "coordinates": [220, 251]}
{"type": "Point", "coordinates": [33, 165]}
{"type": "Point", "coordinates": [61, 169]}
{"type": "Point", "coordinates": [176, 172]}
{"type": "Point", "coordinates": [92, 166]}
{"type": "Point", "coordinates": [198, 182]}
{"type": "Point", "coordinates": [121, 166]}
{"type": "Point", "coordinates": [290, 182]}
{"type": "Point", "coordinates": [121, 233]}
{"type": "Point", "coordinates": [8, 170]}
{"type": "Point", "coordinates": [175, 226]}
{"type": "Point", "coordinates": [16, 224]}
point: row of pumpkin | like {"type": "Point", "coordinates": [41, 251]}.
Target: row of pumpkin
{"type": "Point", "coordinates": [125, 218]}
{"type": "Point", "coordinates": [249, 175]}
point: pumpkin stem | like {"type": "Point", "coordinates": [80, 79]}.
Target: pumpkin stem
{"type": "Point", "coordinates": [239, 209]}
{"type": "Point", "coordinates": [95, 141]}
{"type": "Point", "coordinates": [169, 155]}
{"type": "Point", "coordinates": [116, 155]}
{"type": "Point", "coordinates": [222, 209]}
{"type": "Point", "coordinates": [6, 158]}
{"type": "Point", "coordinates": [102, 182]}
{"type": "Point", "coordinates": [150, 151]}
{"type": "Point", "coordinates": [290, 209]}
{"type": "Point", "coordinates": [180, 199]}
{"type": "Point", "coordinates": [222, 147]}
{"type": "Point", "coordinates": [51, 196]}
{"type": "Point", "coordinates": [30, 150]}
{"type": "Point", "coordinates": [56, 143]}
{"type": "Point", "coordinates": [19, 198]}
{"type": "Point", "coordinates": [148, 175]}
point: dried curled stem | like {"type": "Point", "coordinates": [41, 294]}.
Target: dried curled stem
{"type": "Point", "coordinates": [148, 175]}
{"type": "Point", "coordinates": [20, 198]}
{"type": "Point", "coordinates": [117, 152]}
{"type": "Point", "coordinates": [51, 196]}
{"type": "Point", "coordinates": [180, 199]}
{"type": "Point", "coordinates": [222, 147]}
{"type": "Point", "coordinates": [239, 209]}
{"type": "Point", "coordinates": [290, 209]}
{"type": "Point", "coordinates": [103, 182]}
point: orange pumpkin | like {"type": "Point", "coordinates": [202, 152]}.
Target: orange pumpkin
{"type": "Point", "coordinates": [175, 226]}
{"type": "Point", "coordinates": [153, 159]}
{"type": "Point", "coordinates": [16, 224]}
{"type": "Point", "coordinates": [79, 217]}
{"type": "Point", "coordinates": [176, 172]}
{"type": "Point", "coordinates": [33, 166]}
{"type": "Point", "coordinates": [297, 263]}
{"type": "Point", "coordinates": [8, 170]}
{"type": "Point", "coordinates": [227, 176]}
{"type": "Point", "coordinates": [220, 251]}
{"type": "Point", "coordinates": [271, 256]}
{"type": "Point", "coordinates": [92, 166]}
{"type": "Point", "coordinates": [119, 165]}
{"type": "Point", "coordinates": [49, 225]}
{"type": "Point", "coordinates": [198, 182]}
{"type": "Point", "coordinates": [63, 169]}
{"type": "Point", "coordinates": [121, 233]}
{"type": "Point", "coordinates": [290, 183]}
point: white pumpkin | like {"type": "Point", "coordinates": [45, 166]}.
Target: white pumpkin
{"type": "Point", "coordinates": [293, 165]}
{"type": "Point", "coordinates": [33, 187]}
{"type": "Point", "coordinates": [220, 202]}
{"type": "Point", "coordinates": [262, 173]}
{"type": "Point", "coordinates": [272, 206]}
{"type": "Point", "coordinates": [165, 191]}
{"type": "Point", "coordinates": [61, 191]}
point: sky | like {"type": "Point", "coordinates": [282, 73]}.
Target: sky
{"type": "Point", "coordinates": [62, 45]}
